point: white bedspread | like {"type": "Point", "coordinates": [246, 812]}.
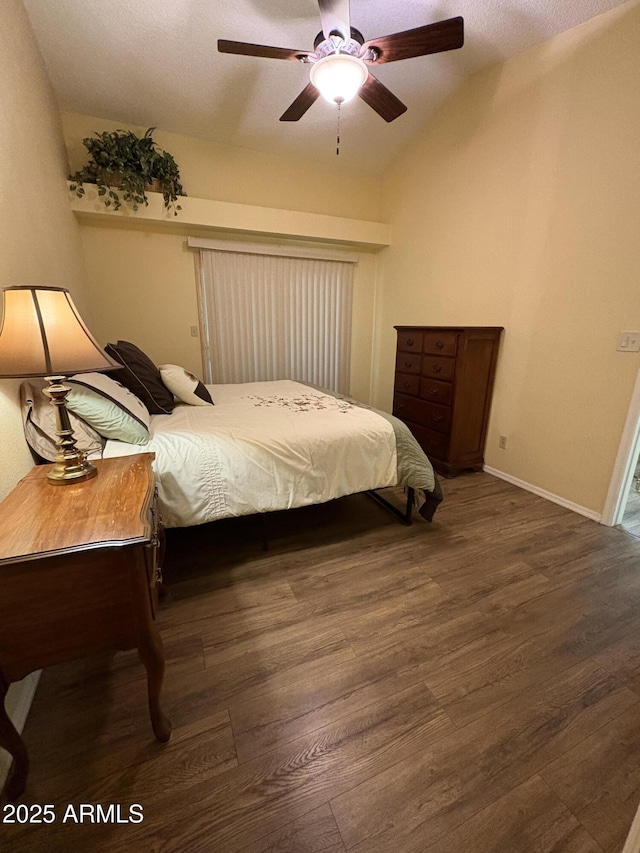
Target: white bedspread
{"type": "Point", "coordinates": [264, 446]}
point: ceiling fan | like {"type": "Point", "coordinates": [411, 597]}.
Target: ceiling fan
{"type": "Point", "coordinates": [341, 58]}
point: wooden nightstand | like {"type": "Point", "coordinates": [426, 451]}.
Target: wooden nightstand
{"type": "Point", "coordinates": [79, 575]}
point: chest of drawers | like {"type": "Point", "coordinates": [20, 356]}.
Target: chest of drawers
{"type": "Point", "coordinates": [443, 386]}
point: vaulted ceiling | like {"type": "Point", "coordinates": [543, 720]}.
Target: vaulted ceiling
{"type": "Point", "coordinates": [155, 62]}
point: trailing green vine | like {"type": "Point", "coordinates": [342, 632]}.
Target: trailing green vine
{"type": "Point", "coordinates": [124, 165]}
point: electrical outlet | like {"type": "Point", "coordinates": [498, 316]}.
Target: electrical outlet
{"type": "Point", "coordinates": [194, 331]}
{"type": "Point", "coordinates": [502, 442]}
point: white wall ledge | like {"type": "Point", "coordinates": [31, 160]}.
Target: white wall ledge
{"type": "Point", "coordinates": [229, 216]}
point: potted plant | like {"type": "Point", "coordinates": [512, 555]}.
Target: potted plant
{"type": "Point", "coordinates": [125, 167]}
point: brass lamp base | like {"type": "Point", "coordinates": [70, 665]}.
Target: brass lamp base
{"type": "Point", "coordinates": [66, 471]}
{"type": "Point", "coordinates": [71, 464]}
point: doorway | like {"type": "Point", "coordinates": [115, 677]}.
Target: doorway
{"type": "Point", "coordinates": [622, 506]}
{"type": "Point", "coordinates": [630, 521]}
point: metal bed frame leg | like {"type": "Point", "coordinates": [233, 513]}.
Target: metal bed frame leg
{"type": "Point", "coordinates": [265, 537]}
{"type": "Point", "coordinates": [406, 516]}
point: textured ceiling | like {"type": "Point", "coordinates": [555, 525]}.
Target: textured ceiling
{"type": "Point", "coordinates": [155, 62]}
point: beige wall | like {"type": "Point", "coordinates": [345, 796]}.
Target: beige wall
{"type": "Point", "coordinates": [142, 278]}
{"type": "Point", "coordinates": [38, 234]}
{"type": "Point", "coordinates": [520, 206]}
{"type": "Point", "coordinates": [226, 173]}
{"type": "Point", "coordinates": [143, 289]}
{"type": "Point", "coordinates": [517, 206]}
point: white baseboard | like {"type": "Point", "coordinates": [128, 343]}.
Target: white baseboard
{"type": "Point", "coordinates": [18, 702]}
{"type": "Point", "coordinates": [543, 493]}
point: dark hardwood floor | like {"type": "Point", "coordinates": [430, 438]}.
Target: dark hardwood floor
{"type": "Point", "coordinates": [469, 685]}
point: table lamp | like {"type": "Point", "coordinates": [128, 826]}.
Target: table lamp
{"type": "Point", "coordinates": [42, 334]}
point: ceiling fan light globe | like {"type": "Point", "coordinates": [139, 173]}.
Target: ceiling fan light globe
{"type": "Point", "coordinates": [338, 76]}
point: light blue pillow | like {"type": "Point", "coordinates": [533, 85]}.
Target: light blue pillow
{"type": "Point", "coordinates": [110, 408]}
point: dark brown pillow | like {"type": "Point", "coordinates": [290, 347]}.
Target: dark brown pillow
{"type": "Point", "coordinates": [140, 375]}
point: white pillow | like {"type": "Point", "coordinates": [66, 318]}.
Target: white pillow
{"type": "Point", "coordinates": [184, 385]}
{"type": "Point", "coordinates": [110, 408]}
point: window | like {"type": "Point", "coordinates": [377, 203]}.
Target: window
{"type": "Point", "coordinates": [275, 313]}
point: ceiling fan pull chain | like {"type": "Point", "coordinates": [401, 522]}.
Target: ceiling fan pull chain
{"type": "Point", "coordinates": [339, 103]}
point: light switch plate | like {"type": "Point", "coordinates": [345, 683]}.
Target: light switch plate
{"type": "Point", "coordinates": [628, 342]}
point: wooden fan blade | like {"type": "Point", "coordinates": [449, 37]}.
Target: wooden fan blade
{"type": "Point", "coordinates": [298, 108]}
{"type": "Point", "coordinates": [335, 17]}
{"type": "Point", "coordinates": [380, 99]}
{"type": "Point", "coordinates": [432, 38]}
{"type": "Point", "coordinates": [243, 48]}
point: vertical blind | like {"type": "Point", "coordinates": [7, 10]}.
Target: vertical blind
{"type": "Point", "coordinates": [266, 316]}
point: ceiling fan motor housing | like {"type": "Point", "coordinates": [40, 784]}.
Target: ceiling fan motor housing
{"type": "Point", "coordinates": [323, 46]}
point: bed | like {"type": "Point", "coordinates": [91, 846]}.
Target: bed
{"type": "Point", "coordinates": [268, 446]}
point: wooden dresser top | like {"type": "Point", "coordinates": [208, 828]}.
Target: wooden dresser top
{"type": "Point", "coordinates": [38, 518]}
{"type": "Point", "coordinates": [449, 328]}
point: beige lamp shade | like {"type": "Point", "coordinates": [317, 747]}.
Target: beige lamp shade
{"type": "Point", "coordinates": [42, 334]}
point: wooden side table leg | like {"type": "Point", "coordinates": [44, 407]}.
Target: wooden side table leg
{"type": "Point", "coordinates": [152, 656]}
{"type": "Point", "coordinates": [13, 743]}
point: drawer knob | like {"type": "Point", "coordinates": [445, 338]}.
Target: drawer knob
{"type": "Point", "coordinates": [409, 342]}
{"type": "Point", "coordinates": [437, 418]}
{"type": "Point", "coordinates": [436, 368]}
{"type": "Point", "coordinates": [406, 384]}
{"type": "Point", "coordinates": [439, 344]}
{"type": "Point", "coordinates": [408, 363]}
{"type": "Point", "coordinates": [433, 390]}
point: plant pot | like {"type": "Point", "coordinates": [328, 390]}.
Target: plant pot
{"type": "Point", "coordinates": [115, 180]}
